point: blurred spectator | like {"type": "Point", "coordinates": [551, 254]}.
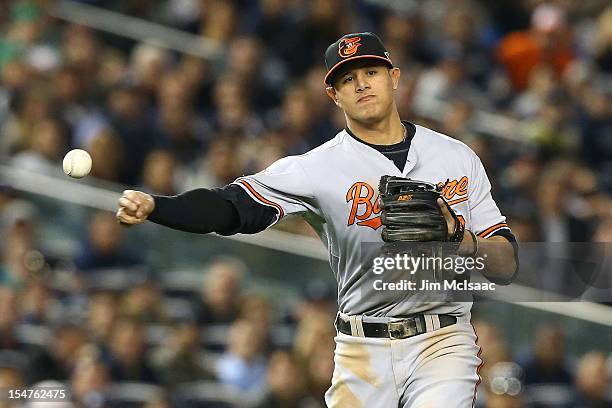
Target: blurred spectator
{"type": "Point", "coordinates": [11, 378]}
{"type": "Point", "coordinates": [547, 362]}
{"type": "Point", "coordinates": [218, 167]}
{"type": "Point", "coordinates": [243, 364]}
{"type": "Point", "coordinates": [559, 223]}
{"type": "Point", "coordinates": [317, 297]}
{"type": "Point", "coordinates": [67, 341]}
{"type": "Point", "coordinates": [159, 402]}
{"type": "Point", "coordinates": [592, 381]}
{"type": "Point", "coordinates": [180, 131]}
{"type": "Point", "coordinates": [90, 380]}
{"type": "Point", "coordinates": [107, 155]}
{"type": "Point", "coordinates": [402, 33]}
{"type": "Point", "coordinates": [18, 252]}
{"type": "Point", "coordinates": [128, 117]}
{"type": "Point", "coordinates": [30, 107]}
{"type": "Point", "coordinates": [548, 42]}
{"type": "Point", "coordinates": [13, 208]}
{"type": "Point", "coordinates": [46, 149]}
{"type": "Point", "coordinates": [603, 40]}
{"type": "Point", "coordinates": [70, 92]}
{"type": "Point", "coordinates": [286, 385]}
{"type": "Point", "coordinates": [219, 20]}
{"type": "Point", "coordinates": [264, 76]}
{"type": "Point", "coordinates": [80, 48]}
{"type": "Point", "coordinates": [37, 302]}
{"type": "Point", "coordinates": [26, 356]}
{"type": "Point", "coordinates": [493, 348]}
{"type": "Point", "coordinates": [315, 330]}
{"type": "Point", "coordinates": [159, 173]}
{"type": "Point", "coordinates": [101, 316]}
{"type": "Point", "coordinates": [126, 359]}
{"type": "Point", "coordinates": [540, 122]}
{"type": "Point", "coordinates": [319, 369]}
{"type": "Point", "coordinates": [298, 134]}
{"type": "Point", "coordinates": [460, 27]}
{"type": "Point", "coordinates": [144, 303]}
{"type": "Point", "coordinates": [177, 360]}
{"type": "Point", "coordinates": [258, 309]}
{"type": "Point", "coordinates": [104, 247]}
{"type": "Point", "coordinates": [148, 64]}
{"type": "Point", "coordinates": [448, 80]}
{"type": "Point", "coordinates": [221, 297]}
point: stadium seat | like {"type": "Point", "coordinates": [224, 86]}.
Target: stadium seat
{"type": "Point", "coordinates": [115, 279]}
{"type": "Point", "coordinates": [181, 282]}
{"type": "Point", "coordinates": [38, 335]}
{"type": "Point", "coordinates": [155, 334]}
{"type": "Point", "coordinates": [206, 394]}
{"type": "Point", "coordinates": [177, 308]}
{"type": "Point", "coordinates": [209, 360]}
{"type": "Point", "coordinates": [548, 396]}
{"type": "Point", "coordinates": [132, 394]}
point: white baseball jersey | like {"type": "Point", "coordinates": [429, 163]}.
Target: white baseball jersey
{"type": "Point", "coordinates": [335, 188]}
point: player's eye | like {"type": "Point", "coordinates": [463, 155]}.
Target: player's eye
{"type": "Point", "coordinates": [347, 79]}
{"type": "Point", "coordinates": [372, 72]}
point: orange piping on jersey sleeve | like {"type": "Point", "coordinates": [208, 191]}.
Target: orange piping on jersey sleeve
{"type": "Point", "coordinates": [457, 201]}
{"type": "Point", "coordinates": [263, 199]}
{"type": "Point", "coordinates": [492, 228]}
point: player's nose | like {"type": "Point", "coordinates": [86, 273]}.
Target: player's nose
{"type": "Point", "coordinates": [361, 82]}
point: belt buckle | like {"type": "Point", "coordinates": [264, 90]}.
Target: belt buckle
{"type": "Point", "coordinates": [402, 329]}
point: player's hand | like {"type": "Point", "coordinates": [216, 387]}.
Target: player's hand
{"type": "Point", "coordinates": [134, 207]}
{"type": "Point", "coordinates": [467, 246]}
{"type": "Point", "coordinates": [450, 220]}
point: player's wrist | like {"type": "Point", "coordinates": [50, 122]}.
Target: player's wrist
{"type": "Point", "coordinates": [469, 244]}
{"type": "Point", "coordinates": [151, 203]}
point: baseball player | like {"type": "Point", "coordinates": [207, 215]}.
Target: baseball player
{"type": "Point", "coordinates": [389, 352]}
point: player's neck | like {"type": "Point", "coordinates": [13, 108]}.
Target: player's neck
{"type": "Point", "coordinates": [385, 132]}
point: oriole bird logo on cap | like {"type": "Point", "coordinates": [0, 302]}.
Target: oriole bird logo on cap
{"type": "Point", "coordinates": [348, 46]}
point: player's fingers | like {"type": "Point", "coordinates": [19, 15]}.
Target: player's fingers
{"type": "Point", "coordinates": [125, 202]}
{"type": "Point", "coordinates": [137, 197]}
{"type": "Point", "coordinates": [125, 218]}
{"type": "Point", "coordinates": [450, 221]}
{"type": "Point", "coordinates": [134, 196]}
{"type": "Point", "coordinates": [146, 207]}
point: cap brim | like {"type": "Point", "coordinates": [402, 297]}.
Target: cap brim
{"type": "Point", "coordinates": [357, 57]}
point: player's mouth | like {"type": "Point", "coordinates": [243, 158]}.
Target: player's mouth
{"type": "Point", "coordinates": [365, 98]}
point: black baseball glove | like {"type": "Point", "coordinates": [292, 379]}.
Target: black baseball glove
{"type": "Point", "coordinates": [410, 212]}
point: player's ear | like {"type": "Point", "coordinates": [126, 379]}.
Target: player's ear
{"type": "Point", "coordinates": [395, 73]}
{"type": "Point", "coordinates": [331, 92]}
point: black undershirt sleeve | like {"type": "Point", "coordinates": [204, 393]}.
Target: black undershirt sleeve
{"type": "Point", "coordinates": [226, 211]}
{"type": "Point", "coordinates": [254, 216]}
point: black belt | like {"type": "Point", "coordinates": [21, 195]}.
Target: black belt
{"type": "Point", "coordinates": [401, 329]}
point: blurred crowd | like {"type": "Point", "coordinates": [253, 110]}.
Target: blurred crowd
{"type": "Point", "coordinates": [526, 84]}
{"type": "Point", "coordinates": [116, 336]}
{"type": "Point", "coordinates": [162, 344]}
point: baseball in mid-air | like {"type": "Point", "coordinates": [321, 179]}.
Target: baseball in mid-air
{"type": "Point", "coordinates": [77, 163]}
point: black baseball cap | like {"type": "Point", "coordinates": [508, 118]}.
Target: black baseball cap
{"type": "Point", "coordinates": [351, 47]}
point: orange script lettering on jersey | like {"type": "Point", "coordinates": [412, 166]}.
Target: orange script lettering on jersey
{"type": "Point", "coordinates": [455, 188]}
{"type": "Point", "coordinates": [365, 208]}
{"type": "Point", "coordinates": [360, 196]}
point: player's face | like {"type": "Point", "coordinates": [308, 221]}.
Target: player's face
{"type": "Point", "coordinates": [365, 91]}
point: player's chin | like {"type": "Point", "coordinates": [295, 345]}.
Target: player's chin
{"type": "Point", "coordinates": [369, 115]}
